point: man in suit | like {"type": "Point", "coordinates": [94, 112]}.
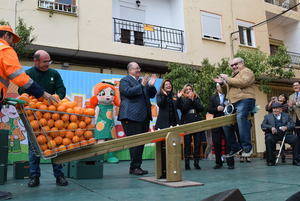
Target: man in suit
{"type": "Point", "coordinates": [216, 107]}
{"type": "Point", "coordinates": [294, 105]}
{"type": "Point", "coordinates": [135, 110]}
{"type": "Point", "coordinates": [276, 125]}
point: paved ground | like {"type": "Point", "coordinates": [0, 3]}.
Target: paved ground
{"type": "Point", "coordinates": [256, 181]}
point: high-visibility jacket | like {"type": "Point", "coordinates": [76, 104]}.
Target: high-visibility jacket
{"type": "Point", "coordinates": [11, 69]}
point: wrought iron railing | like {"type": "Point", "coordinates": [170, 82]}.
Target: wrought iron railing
{"type": "Point", "coordinates": [284, 3]}
{"type": "Point", "coordinates": [295, 58]}
{"type": "Point", "coordinates": [138, 33]}
{"type": "Point", "coordinates": [56, 6]}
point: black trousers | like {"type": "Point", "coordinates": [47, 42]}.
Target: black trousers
{"type": "Point", "coordinates": [133, 128]}
{"type": "Point", "coordinates": [217, 134]}
{"type": "Point", "coordinates": [271, 140]}
{"type": "Point", "coordinates": [187, 144]}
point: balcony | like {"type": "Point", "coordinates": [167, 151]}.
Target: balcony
{"type": "Point", "coordinates": [58, 7]}
{"type": "Point", "coordinates": [284, 3]}
{"type": "Point", "coordinates": [295, 58]}
{"type": "Point", "coordinates": [137, 33]}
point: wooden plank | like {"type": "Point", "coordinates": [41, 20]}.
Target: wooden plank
{"type": "Point", "coordinates": [144, 138]}
{"type": "Point", "coordinates": [173, 153]}
{"type": "Point", "coordinates": [158, 160]}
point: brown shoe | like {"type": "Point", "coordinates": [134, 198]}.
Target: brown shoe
{"type": "Point", "coordinates": [138, 171]}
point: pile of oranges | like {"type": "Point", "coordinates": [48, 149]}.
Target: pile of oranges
{"type": "Point", "coordinates": [56, 131]}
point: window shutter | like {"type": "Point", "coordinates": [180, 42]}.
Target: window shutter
{"type": "Point", "coordinates": [211, 25]}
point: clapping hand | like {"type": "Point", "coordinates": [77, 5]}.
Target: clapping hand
{"type": "Point", "coordinates": [218, 80]}
{"type": "Point", "coordinates": [274, 130]}
{"type": "Point", "coordinates": [152, 79]}
{"type": "Point", "coordinates": [145, 80]}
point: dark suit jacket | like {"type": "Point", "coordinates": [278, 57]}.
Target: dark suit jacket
{"type": "Point", "coordinates": [165, 104]}
{"type": "Point", "coordinates": [135, 100]}
{"type": "Point", "coordinates": [269, 122]}
{"type": "Point", "coordinates": [214, 102]}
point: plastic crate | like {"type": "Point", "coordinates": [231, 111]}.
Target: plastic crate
{"type": "Point", "coordinates": [21, 169]}
{"type": "Point", "coordinates": [66, 169]}
{"type": "Point", "coordinates": [3, 155]}
{"type": "Point", "coordinates": [4, 138]}
{"type": "Point", "coordinates": [3, 174]}
{"type": "Point", "coordinates": [90, 168]}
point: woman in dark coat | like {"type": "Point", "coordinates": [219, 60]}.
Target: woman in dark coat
{"type": "Point", "coordinates": [166, 101]}
{"type": "Point", "coordinates": [190, 107]}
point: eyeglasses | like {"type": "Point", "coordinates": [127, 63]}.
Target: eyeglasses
{"type": "Point", "coordinates": [137, 68]}
{"type": "Point", "coordinates": [49, 62]}
{"type": "Point", "coordinates": [235, 64]}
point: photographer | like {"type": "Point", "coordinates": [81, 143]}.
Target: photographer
{"type": "Point", "coordinates": [276, 125]}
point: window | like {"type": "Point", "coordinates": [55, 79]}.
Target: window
{"type": "Point", "coordinates": [211, 25]}
{"type": "Point", "coordinates": [246, 33]}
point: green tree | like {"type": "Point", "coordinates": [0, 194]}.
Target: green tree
{"type": "Point", "coordinates": [25, 33]}
{"type": "Point", "coordinates": [266, 69]}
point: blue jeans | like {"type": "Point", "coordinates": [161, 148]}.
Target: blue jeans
{"type": "Point", "coordinates": [34, 165]}
{"type": "Point", "coordinates": [243, 109]}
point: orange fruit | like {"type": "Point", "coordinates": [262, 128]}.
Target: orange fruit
{"type": "Point", "coordinates": [65, 117]}
{"type": "Point", "coordinates": [55, 133]}
{"type": "Point", "coordinates": [48, 152]}
{"type": "Point", "coordinates": [72, 126]}
{"type": "Point", "coordinates": [89, 111]}
{"type": "Point", "coordinates": [73, 118]}
{"type": "Point", "coordinates": [61, 108]}
{"type": "Point", "coordinates": [62, 148]}
{"type": "Point", "coordinates": [87, 120]}
{"type": "Point", "coordinates": [77, 110]}
{"type": "Point", "coordinates": [38, 104]}
{"type": "Point", "coordinates": [43, 147]}
{"type": "Point", "coordinates": [30, 118]}
{"type": "Point", "coordinates": [79, 133]}
{"type": "Point", "coordinates": [41, 139]}
{"type": "Point", "coordinates": [66, 123]}
{"type": "Point", "coordinates": [28, 112]}
{"type": "Point", "coordinates": [88, 134]}
{"type": "Point", "coordinates": [62, 133]}
{"type": "Point", "coordinates": [75, 139]}
{"type": "Point", "coordinates": [43, 107]}
{"type": "Point", "coordinates": [51, 144]}
{"type": "Point", "coordinates": [25, 95]}
{"type": "Point", "coordinates": [32, 105]}
{"type": "Point", "coordinates": [34, 100]}
{"type": "Point", "coordinates": [52, 108]}
{"type": "Point", "coordinates": [70, 134]}
{"type": "Point", "coordinates": [50, 123]}
{"type": "Point", "coordinates": [34, 124]}
{"type": "Point", "coordinates": [66, 141]}
{"type": "Point", "coordinates": [83, 143]}
{"type": "Point", "coordinates": [59, 124]}
{"type": "Point", "coordinates": [41, 99]}
{"type": "Point", "coordinates": [39, 114]}
{"type": "Point", "coordinates": [55, 116]}
{"type": "Point", "coordinates": [58, 140]}
{"type": "Point", "coordinates": [82, 124]}
{"type": "Point", "coordinates": [46, 128]}
{"type": "Point", "coordinates": [70, 110]}
{"type": "Point", "coordinates": [47, 115]}
{"type": "Point", "coordinates": [43, 122]}
{"type": "Point", "coordinates": [24, 98]}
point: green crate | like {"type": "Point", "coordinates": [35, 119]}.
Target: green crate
{"type": "Point", "coordinates": [3, 174]}
{"type": "Point", "coordinates": [4, 138]}
{"type": "Point", "coordinates": [99, 158]}
{"type": "Point", "coordinates": [21, 169]}
{"type": "Point", "coordinates": [3, 155]}
{"type": "Point", "coordinates": [86, 169]}
{"type": "Point", "coordinates": [66, 169]}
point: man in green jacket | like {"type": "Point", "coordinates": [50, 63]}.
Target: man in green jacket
{"type": "Point", "coordinates": [51, 81]}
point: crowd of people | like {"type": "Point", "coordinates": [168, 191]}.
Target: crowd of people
{"type": "Point", "coordinates": [236, 91]}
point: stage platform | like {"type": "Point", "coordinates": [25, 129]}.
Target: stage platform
{"type": "Point", "coordinates": [256, 181]}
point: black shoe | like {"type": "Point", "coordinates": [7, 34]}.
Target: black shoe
{"type": "Point", "coordinates": [242, 159]}
{"type": "Point", "coordinates": [218, 166]}
{"type": "Point", "coordinates": [248, 160]}
{"type": "Point", "coordinates": [296, 163]}
{"type": "Point", "coordinates": [233, 153]}
{"type": "Point", "coordinates": [34, 181]}
{"type": "Point", "coordinates": [270, 163]}
{"type": "Point", "coordinates": [138, 171]}
{"type": "Point", "coordinates": [196, 164]}
{"type": "Point", "coordinates": [231, 167]}
{"type": "Point", "coordinates": [61, 181]}
{"type": "Point", "coordinates": [187, 164]}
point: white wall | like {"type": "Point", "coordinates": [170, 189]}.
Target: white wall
{"type": "Point", "coordinates": [167, 13]}
{"type": "Point", "coordinates": [292, 37]}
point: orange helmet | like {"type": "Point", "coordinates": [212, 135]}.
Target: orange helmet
{"type": "Point", "coordinates": [9, 29]}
